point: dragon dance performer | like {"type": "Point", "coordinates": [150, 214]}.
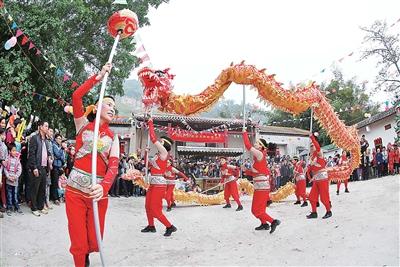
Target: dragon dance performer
{"type": "Point", "coordinates": [158, 184]}
{"type": "Point", "coordinates": [79, 190]}
{"type": "Point", "coordinates": [343, 161]}
{"type": "Point", "coordinates": [229, 174]}
{"type": "Point", "coordinates": [260, 175]}
{"type": "Point", "coordinates": [170, 176]}
{"type": "Point", "coordinates": [320, 187]}
{"type": "Point", "coordinates": [300, 178]}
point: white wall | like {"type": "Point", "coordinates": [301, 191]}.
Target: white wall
{"type": "Point", "coordinates": [287, 144]}
{"type": "Point", "coordinates": [377, 129]}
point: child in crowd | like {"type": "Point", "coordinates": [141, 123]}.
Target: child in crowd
{"type": "Point", "coordinates": [12, 171]}
{"type": "Point", "coordinates": [62, 183]}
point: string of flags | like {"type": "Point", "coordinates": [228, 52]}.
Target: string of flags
{"type": "Point", "coordinates": [24, 39]}
{"type": "Point", "coordinates": [60, 101]}
{"type": "Point", "coordinates": [140, 51]}
{"type": "Point", "coordinates": [343, 58]}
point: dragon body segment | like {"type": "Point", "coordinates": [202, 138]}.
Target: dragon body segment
{"type": "Point", "coordinates": [158, 91]}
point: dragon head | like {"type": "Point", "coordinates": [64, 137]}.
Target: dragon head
{"type": "Point", "coordinates": [157, 86]}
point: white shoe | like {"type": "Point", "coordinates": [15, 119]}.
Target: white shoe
{"type": "Point", "coordinates": [36, 213]}
{"type": "Point", "coordinates": [44, 211]}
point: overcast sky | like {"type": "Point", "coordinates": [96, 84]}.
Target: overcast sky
{"type": "Point", "coordinates": [293, 39]}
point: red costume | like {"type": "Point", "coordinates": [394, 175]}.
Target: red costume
{"type": "Point", "coordinates": [391, 159]}
{"type": "Point", "coordinates": [158, 186]}
{"type": "Point", "coordinates": [300, 178]}
{"type": "Point", "coordinates": [170, 176]}
{"type": "Point", "coordinates": [320, 187]}
{"type": "Point", "coordinates": [343, 161]}
{"type": "Point", "coordinates": [79, 205]}
{"type": "Point", "coordinates": [229, 176]}
{"type": "Point", "coordinates": [261, 175]}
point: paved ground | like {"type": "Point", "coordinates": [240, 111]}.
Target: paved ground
{"type": "Point", "coordinates": [364, 230]}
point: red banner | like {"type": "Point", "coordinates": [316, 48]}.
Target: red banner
{"type": "Point", "coordinates": [198, 137]}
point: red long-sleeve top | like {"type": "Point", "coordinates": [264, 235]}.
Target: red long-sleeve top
{"type": "Point", "coordinates": [171, 173]}
{"type": "Point", "coordinates": [84, 140]}
{"type": "Point", "coordinates": [261, 167]}
{"type": "Point", "coordinates": [228, 171]}
{"type": "Point", "coordinates": [320, 161]}
{"type": "Point", "coordinates": [158, 166]}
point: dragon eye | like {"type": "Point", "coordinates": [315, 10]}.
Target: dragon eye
{"type": "Point", "coordinates": [159, 73]}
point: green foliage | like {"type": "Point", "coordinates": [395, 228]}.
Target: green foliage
{"type": "Point", "coordinates": [71, 34]}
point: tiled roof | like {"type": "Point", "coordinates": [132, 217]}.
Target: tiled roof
{"type": "Point", "coordinates": [376, 117]}
{"type": "Point", "coordinates": [212, 151]}
{"type": "Point", "coordinates": [283, 130]}
{"type": "Point", "coordinates": [177, 118]}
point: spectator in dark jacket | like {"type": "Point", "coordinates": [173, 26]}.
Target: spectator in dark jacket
{"type": "Point", "coordinates": [58, 163]}
{"type": "Point", "coordinates": [379, 162]}
{"type": "Point", "coordinates": [38, 165]}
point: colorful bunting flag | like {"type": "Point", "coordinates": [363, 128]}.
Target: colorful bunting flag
{"type": "Point", "coordinates": [66, 77]}
{"type": "Point", "coordinates": [144, 58]}
{"type": "Point", "coordinates": [19, 33]}
{"type": "Point", "coordinates": [38, 52]}
{"type": "Point", "coordinates": [53, 67]}
{"type": "Point", "coordinates": [24, 40]}
{"type": "Point", "coordinates": [74, 84]}
{"type": "Point", "coordinates": [59, 72]}
{"type": "Point", "coordinates": [14, 25]}
{"type": "Point", "coordinates": [31, 45]}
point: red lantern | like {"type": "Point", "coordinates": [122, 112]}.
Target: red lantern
{"type": "Point", "coordinates": [125, 21]}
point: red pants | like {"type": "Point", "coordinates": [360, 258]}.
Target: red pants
{"type": "Point", "coordinates": [259, 205]}
{"type": "Point", "coordinates": [169, 194]}
{"type": "Point", "coordinates": [154, 197]}
{"type": "Point", "coordinates": [231, 189]}
{"type": "Point", "coordinates": [81, 228]}
{"type": "Point", "coordinates": [345, 184]}
{"type": "Point", "coordinates": [301, 190]}
{"type": "Point", "coordinates": [320, 188]}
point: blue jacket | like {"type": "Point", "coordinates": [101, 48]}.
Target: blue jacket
{"type": "Point", "coordinates": [379, 157]}
{"type": "Point", "coordinates": [59, 157]}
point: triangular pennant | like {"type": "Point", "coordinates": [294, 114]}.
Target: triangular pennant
{"type": "Point", "coordinates": [10, 18]}
{"type": "Point", "coordinates": [14, 25]}
{"type": "Point", "coordinates": [74, 84]}
{"type": "Point", "coordinates": [18, 33]}
{"type": "Point", "coordinates": [31, 45]}
{"type": "Point", "coordinates": [24, 40]}
{"type": "Point", "coordinates": [139, 50]}
{"type": "Point", "coordinates": [54, 100]}
{"type": "Point", "coordinates": [66, 77]}
{"type": "Point", "coordinates": [144, 58]}
{"type": "Point", "coordinates": [349, 55]}
{"type": "Point", "coordinates": [38, 52]}
{"type": "Point", "coordinates": [59, 72]}
{"type": "Point", "coordinates": [340, 60]}
{"type": "Point", "coordinates": [47, 98]}
{"type": "Point", "coordinates": [323, 70]}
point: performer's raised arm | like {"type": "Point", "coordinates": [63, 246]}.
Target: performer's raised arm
{"type": "Point", "coordinates": [254, 151]}
{"type": "Point", "coordinates": [77, 96]}
{"type": "Point", "coordinates": [180, 174]}
{"type": "Point", "coordinates": [160, 146]}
